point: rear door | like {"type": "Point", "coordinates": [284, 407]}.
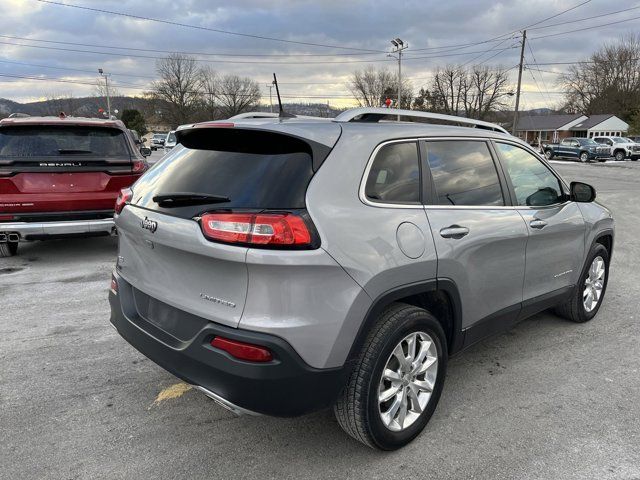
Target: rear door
{"type": "Point", "coordinates": [480, 241]}
{"type": "Point", "coordinates": [555, 250]}
{"type": "Point", "coordinates": [62, 168]}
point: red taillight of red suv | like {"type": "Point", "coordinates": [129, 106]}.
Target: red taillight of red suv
{"type": "Point", "coordinates": [139, 166]}
{"type": "Point", "coordinates": [124, 197]}
{"type": "Point", "coordinates": [259, 229]}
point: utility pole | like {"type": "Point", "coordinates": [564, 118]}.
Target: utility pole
{"type": "Point", "coordinates": [398, 47]}
{"type": "Point", "coordinates": [270, 86]}
{"type": "Point", "coordinates": [106, 84]}
{"type": "Point", "coordinates": [515, 112]}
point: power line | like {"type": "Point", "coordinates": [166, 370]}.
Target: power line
{"type": "Point", "coordinates": [74, 69]}
{"type": "Point", "coordinates": [585, 28]}
{"type": "Point", "coordinates": [152, 50]}
{"type": "Point", "coordinates": [586, 18]}
{"type": "Point", "coordinates": [198, 27]}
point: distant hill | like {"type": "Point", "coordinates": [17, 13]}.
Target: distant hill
{"type": "Point", "coordinates": [81, 107]}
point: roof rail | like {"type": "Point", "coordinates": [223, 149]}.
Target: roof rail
{"type": "Point", "coordinates": [374, 114]}
{"type": "Point", "coordinates": [254, 115]}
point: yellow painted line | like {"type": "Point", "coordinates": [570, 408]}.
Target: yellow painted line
{"type": "Point", "coordinates": [174, 391]}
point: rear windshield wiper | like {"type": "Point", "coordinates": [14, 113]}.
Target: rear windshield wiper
{"type": "Point", "coordinates": [72, 150]}
{"type": "Point", "coordinates": [183, 199]}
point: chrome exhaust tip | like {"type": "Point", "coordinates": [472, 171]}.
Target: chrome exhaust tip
{"type": "Point", "coordinates": [13, 237]}
{"type": "Point", "coordinates": [3, 237]}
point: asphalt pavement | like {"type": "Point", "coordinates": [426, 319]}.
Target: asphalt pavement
{"type": "Point", "coordinates": [549, 399]}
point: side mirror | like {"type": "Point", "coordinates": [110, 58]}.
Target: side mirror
{"type": "Point", "coordinates": [582, 192]}
{"type": "Point", "coordinates": [145, 151]}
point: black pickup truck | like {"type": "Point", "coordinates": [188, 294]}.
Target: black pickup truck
{"type": "Point", "coordinates": [584, 149]}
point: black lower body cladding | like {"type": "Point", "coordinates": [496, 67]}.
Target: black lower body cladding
{"type": "Point", "coordinates": [284, 387]}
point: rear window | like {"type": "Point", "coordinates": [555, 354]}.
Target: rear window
{"type": "Point", "coordinates": [250, 180]}
{"type": "Point", "coordinates": [54, 141]}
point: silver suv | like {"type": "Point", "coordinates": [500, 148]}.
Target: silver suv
{"type": "Point", "coordinates": [284, 266]}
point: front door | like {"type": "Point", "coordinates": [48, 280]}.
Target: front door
{"type": "Point", "coordinates": [479, 241]}
{"type": "Point", "coordinates": [555, 250]}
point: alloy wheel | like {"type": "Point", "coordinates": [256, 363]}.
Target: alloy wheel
{"type": "Point", "coordinates": [594, 284]}
{"type": "Point", "coordinates": [408, 380]}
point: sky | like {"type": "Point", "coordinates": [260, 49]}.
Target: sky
{"type": "Point", "coordinates": [40, 40]}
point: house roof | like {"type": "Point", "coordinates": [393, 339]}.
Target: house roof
{"type": "Point", "coordinates": [545, 122]}
{"type": "Point", "coordinates": [592, 121]}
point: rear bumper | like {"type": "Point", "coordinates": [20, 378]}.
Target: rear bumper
{"type": "Point", "coordinates": [41, 230]}
{"type": "Point", "coordinates": [284, 387]}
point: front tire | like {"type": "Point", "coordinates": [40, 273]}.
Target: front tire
{"type": "Point", "coordinates": [619, 156]}
{"type": "Point", "coordinates": [584, 157]}
{"type": "Point", "coordinates": [585, 302]}
{"type": "Point", "coordinates": [8, 249]}
{"type": "Point", "coordinates": [548, 154]}
{"type": "Point", "coordinates": [396, 383]}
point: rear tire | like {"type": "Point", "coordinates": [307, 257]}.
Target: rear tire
{"type": "Point", "coordinates": [584, 157]}
{"type": "Point", "coordinates": [619, 156]}
{"type": "Point", "coordinates": [359, 409]}
{"type": "Point", "coordinates": [548, 154]}
{"type": "Point", "coordinates": [8, 249]}
{"type": "Point", "coordinates": [574, 308]}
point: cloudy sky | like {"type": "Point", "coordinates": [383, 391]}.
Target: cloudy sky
{"type": "Point", "coordinates": [60, 47]}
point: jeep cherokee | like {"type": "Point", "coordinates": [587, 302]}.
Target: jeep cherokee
{"type": "Point", "coordinates": [283, 266]}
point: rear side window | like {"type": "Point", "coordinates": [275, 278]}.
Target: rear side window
{"type": "Point", "coordinates": [394, 176]}
{"type": "Point", "coordinates": [55, 141]}
{"type": "Point", "coordinates": [463, 173]}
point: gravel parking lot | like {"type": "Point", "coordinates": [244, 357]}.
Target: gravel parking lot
{"type": "Point", "coordinates": [549, 399]}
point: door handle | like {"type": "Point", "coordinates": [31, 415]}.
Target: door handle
{"type": "Point", "coordinates": [537, 223]}
{"type": "Point", "coordinates": [454, 231]}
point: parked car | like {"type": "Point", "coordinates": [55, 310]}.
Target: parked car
{"type": "Point", "coordinates": [157, 141]}
{"type": "Point", "coordinates": [136, 137]}
{"type": "Point", "coordinates": [294, 264]}
{"type": "Point", "coordinates": [621, 147]}
{"type": "Point", "coordinates": [584, 149]}
{"type": "Point", "coordinates": [60, 176]}
{"type": "Point", "coordinates": [170, 141]}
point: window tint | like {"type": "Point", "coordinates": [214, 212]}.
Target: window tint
{"type": "Point", "coordinates": [395, 174]}
{"type": "Point", "coordinates": [463, 173]}
{"type": "Point", "coordinates": [54, 141]}
{"type": "Point", "coordinates": [533, 182]}
{"type": "Point", "coordinates": [249, 180]}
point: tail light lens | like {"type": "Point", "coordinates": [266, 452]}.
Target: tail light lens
{"type": "Point", "coordinates": [258, 229]}
{"type": "Point", "coordinates": [241, 350]}
{"type": "Point", "coordinates": [124, 197]}
{"type": "Point", "coordinates": [139, 166]}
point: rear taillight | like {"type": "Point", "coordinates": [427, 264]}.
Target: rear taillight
{"type": "Point", "coordinates": [6, 218]}
{"type": "Point", "coordinates": [139, 166]}
{"type": "Point", "coordinates": [241, 350]}
{"type": "Point", "coordinates": [124, 197]}
{"type": "Point", "coordinates": [259, 229]}
{"type": "Point", "coordinates": [114, 285]}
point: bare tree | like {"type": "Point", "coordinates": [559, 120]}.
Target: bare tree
{"type": "Point", "coordinates": [210, 87]}
{"type": "Point", "coordinates": [236, 95]}
{"type": "Point", "coordinates": [179, 86]}
{"type": "Point", "coordinates": [473, 93]}
{"type": "Point", "coordinates": [371, 87]}
{"type": "Point", "coordinates": [608, 82]}
{"type": "Point", "coordinates": [60, 102]}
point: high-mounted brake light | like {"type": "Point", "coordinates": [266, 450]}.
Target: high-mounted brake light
{"type": "Point", "coordinates": [268, 229]}
{"type": "Point", "coordinates": [241, 350]}
{"type": "Point", "coordinates": [124, 197]}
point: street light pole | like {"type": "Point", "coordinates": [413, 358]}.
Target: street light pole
{"type": "Point", "coordinates": [398, 47]}
{"type": "Point", "coordinates": [270, 97]}
{"type": "Point", "coordinates": [106, 84]}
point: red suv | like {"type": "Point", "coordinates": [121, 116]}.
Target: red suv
{"type": "Point", "coordinates": [60, 177]}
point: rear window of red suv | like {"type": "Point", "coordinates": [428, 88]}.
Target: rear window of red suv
{"type": "Point", "coordinates": [64, 140]}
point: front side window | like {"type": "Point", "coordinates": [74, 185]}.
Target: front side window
{"type": "Point", "coordinates": [464, 173]}
{"type": "Point", "coordinates": [395, 175]}
{"type": "Point", "coordinates": [533, 182]}
{"type": "Point", "coordinates": [566, 142]}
